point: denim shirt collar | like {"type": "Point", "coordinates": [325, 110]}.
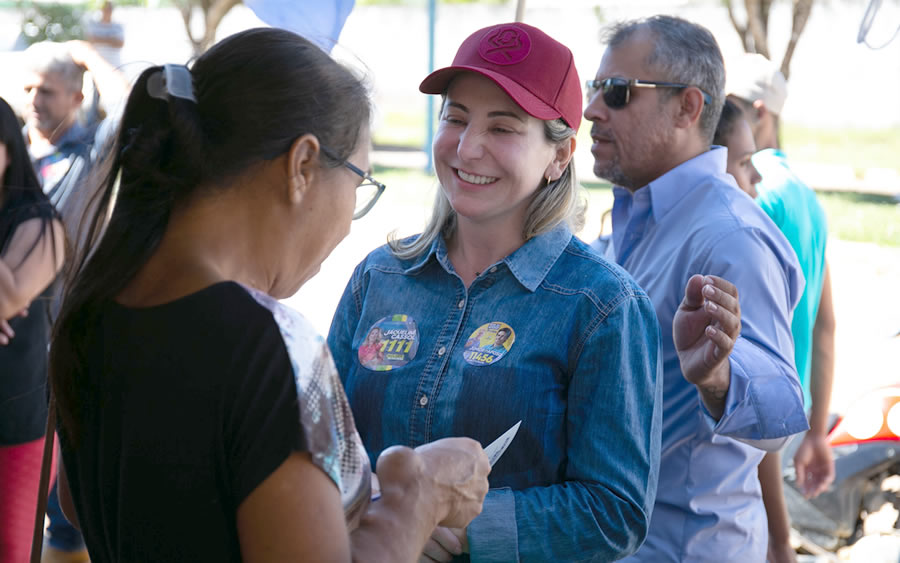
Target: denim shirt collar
{"type": "Point", "coordinates": [676, 184]}
{"type": "Point", "coordinates": [529, 263]}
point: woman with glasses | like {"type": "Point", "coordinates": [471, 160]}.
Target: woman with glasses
{"type": "Point", "coordinates": [31, 253]}
{"type": "Point", "coordinates": [496, 315]}
{"type": "Point", "coordinates": [201, 420]}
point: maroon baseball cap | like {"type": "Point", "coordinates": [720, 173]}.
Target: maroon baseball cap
{"type": "Point", "coordinates": [534, 69]}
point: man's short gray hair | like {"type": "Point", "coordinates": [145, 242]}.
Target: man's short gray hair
{"type": "Point", "coordinates": [48, 57]}
{"type": "Point", "coordinates": [685, 52]}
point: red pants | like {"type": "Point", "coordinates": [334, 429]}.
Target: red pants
{"type": "Point", "coordinates": [20, 476]}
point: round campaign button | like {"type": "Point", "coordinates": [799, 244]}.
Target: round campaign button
{"type": "Point", "coordinates": [390, 343]}
{"type": "Point", "coordinates": [489, 343]}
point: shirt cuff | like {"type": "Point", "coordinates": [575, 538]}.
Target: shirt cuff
{"type": "Point", "coordinates": [493, 534]}
{"type": "Point", "coordinates": [761, 410]}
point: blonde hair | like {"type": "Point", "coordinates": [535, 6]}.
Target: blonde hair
{"type": "Point", "coordinates": [555, 203]}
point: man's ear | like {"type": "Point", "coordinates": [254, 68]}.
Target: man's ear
{"type": "Point", "coordinates": [564, 152]}
{"type": "Point", "coordinates": [690, 107]}
{"type": "Point", "coordinates": [302, 165]}
{"type": "Point", "coordinates": [760, 109]}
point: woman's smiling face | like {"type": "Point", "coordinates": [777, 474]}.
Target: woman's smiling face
{"type": "Point", "coordinates": [490, 156]}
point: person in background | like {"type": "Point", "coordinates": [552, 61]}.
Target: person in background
{"type": "Point", "coordinates": [64, 151]}
{"type": "Point", "coordinates": [106, 35]}
{"type": "Point", "coordinates": [500, 314]}
{"type": "Point", "coordinates": [733, 132]}
{"type": "Point", "coordinates": [199, 418]}
{"type": "Point", "coordinates": [32, 245]}
{"type": "Point", "coordinates": [758, 87]}
{"type": "Point", "coordinates": [722, 279]}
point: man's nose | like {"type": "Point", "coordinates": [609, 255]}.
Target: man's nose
{"type": "Point", "coordinates": [596, 109]}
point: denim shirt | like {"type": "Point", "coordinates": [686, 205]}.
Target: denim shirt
{"type": "Point", "coordinates": [695, 220]}
{"type": "Point", "coordinates": [580, 368]}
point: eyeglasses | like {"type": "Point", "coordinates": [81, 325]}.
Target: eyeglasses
{"type": "Point", "coordinates": [617, 91]}
{"type": "Point", "coordinates": [367, 193]}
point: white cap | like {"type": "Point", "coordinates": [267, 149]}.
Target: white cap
{"type": "Point", "coordinates": [753, 77]}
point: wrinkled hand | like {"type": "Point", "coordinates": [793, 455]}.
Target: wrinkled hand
{"type": "Point", "coordinates": [706, 326]}
{"type": "Point", "coordinates": [814, 465]}
{"type": "Point", "coordinates": [444, 544]}
{"type": "Point", "coordinates": [457, 469]}
{"type": "Point", "coordinates": [6, 331]}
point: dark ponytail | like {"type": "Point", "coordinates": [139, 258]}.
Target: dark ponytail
{"type": "Point", "coordinates": [256, 92]}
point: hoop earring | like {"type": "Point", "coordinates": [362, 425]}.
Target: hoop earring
{"type": "Point", "coordinates": [549, 181]}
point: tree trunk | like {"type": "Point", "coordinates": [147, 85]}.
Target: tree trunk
{"type": "Point", "coordinates": [801, 9]}
{"type": "Point", "coordinates": [758, 26]}
{"type": "Point", "coordinates": [213, 13]}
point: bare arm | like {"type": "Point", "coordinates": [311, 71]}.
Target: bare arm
{"type": "Point", "coordinates": [822, 367]}
{"type": "Point", "coordinates": [296, 513]}
{"type": "Point", "coordinates": [111, 84]}
{"type": "Point", "coordinates": [29, 264]}
{"type": "Point", "coordinates": [770, 481]}
{"type": "Point", "coordinates": [813, 460]}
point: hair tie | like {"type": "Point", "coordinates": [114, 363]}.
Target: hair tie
{"type": "Point", "coordinates": [171, 81]}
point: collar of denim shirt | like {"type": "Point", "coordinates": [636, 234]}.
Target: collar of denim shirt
{"type": "Point", "coordinates": [529, 264]}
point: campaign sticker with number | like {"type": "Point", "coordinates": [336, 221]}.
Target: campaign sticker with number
{"type": "Point", "coordinates": [489, 343]}
{"type": "Point", "coordinates": [391, 343]}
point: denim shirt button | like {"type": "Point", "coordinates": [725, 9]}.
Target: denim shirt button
{"type": "Point", "coordinates": [423, 401]}
{"type": "Point", "coordinates": [441, 351]}
{"type": "Point", "coordinates": [461, 304]}
{"type": "Point", "coordinates": [493, 269]}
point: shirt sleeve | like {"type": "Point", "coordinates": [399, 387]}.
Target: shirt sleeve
{"type": "Point", "coordinates": [262, 414]}
{"type": "Point", "coordinates": [614, 423]}
{"type": "Point", "coordinates": [764, 404]}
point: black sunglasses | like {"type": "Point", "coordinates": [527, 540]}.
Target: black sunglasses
{"type": "Point", "coordinates": [617, 91]}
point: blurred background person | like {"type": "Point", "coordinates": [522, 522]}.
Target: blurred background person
{"type": "Point", "coordinates": [106, 35]}
{"type": "Point", "coordinates": [32, 243]}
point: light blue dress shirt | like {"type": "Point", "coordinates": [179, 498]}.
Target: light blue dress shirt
{"type": "Point", "coordinates": [581, 372]}
{"type": "Point", "coordinates": [694, 220]}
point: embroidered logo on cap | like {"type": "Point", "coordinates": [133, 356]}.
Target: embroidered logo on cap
{"type": "Point", "coordinates": [506, 45]}
{"type": "Point", "coordinates": [390, 343]}
{"type": "Point", "coordinates": [489, 343]}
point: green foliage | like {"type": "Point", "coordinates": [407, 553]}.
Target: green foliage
{"type": "Point", "coordinates": [52, 22]}
{"type": "Point", "coordinates": [857, 148]}
{"type": "Point", "coordinates": [862, 217]}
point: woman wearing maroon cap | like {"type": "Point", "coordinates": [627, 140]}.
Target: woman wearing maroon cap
{"type": "Point", "coordinates": [497, 314]}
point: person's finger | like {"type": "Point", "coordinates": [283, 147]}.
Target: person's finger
{"type": "Point", "coordinates": [436, 551]}
{"type": "Point", "coordinates": [721, 341]}
{"type": "Point", "coordinates": [693, 297]}
{"type": "Point", "coordinates": [722, 284]}
{"type": "Point", "coordinates": [721, 298]}
{"type": "Point", "coordinates": [724, 319]}
{"type": "Point", "coordinates": [447, 540]}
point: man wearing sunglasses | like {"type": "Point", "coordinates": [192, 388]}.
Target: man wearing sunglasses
{"type": "Point", "coordinates": [730, 387]}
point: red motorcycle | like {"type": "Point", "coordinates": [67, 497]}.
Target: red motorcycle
{"type": "Point", "coordinates": [866, 447]}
